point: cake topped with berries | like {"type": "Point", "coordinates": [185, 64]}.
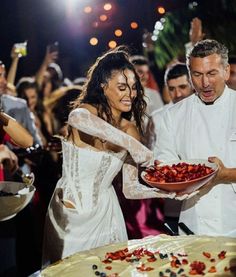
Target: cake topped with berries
{"type": "Point", "coordinates": [153, 256]}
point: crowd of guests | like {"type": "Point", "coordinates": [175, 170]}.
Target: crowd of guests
{"type": "Point", "coordinates": [108, 125]}
{"type": "Point", "coordinates": [33, 109]}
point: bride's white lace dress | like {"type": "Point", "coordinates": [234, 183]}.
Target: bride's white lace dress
{"type": "Point", "coordinates": [86, 183]}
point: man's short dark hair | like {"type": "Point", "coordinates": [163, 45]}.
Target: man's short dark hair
{"type": "Point", "coordinates": [207, 47]}
{"type": "Point", "coordinates": [175, 71]}
{"type": "Point", "coordinates": [139, 60]}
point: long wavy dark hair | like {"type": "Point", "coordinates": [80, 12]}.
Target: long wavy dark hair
{"type": "Point", "coordinates": [100, 72]}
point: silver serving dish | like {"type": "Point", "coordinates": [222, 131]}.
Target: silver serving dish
{"type": "Point", "coordinates": [10, 205]}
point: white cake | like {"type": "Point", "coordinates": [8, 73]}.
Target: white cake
{"type": "Point", "coordinates": [153, 256]}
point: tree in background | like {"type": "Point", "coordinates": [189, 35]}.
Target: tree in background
{"type": "Point", "coordinates": [172, 31]}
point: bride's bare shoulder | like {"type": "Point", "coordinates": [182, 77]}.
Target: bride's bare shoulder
{"type": "Point", "coordinates": [89, 107]}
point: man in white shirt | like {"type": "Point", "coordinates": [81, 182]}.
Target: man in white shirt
{"type": "Point", "coordinates": [200, 126]}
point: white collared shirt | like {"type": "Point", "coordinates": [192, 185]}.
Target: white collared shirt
{"type": "Point", "coordinates": [192, 130]}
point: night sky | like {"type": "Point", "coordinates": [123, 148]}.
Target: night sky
{"type": "Point", "coordinates": [45, 21]}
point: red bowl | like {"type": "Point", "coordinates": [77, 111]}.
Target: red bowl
{"type": "Point", "coordinates": [186, 186]}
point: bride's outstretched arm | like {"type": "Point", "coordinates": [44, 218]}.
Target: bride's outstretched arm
{"type": "Point", "coordinates": [132, 188]}
{"type": "Point", "coordinates": [91, 124]}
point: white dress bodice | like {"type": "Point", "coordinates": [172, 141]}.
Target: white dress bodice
{"type": "Point", "coordinates": [97, 219]}
{"type": "Point", "coordinates": [88, 177]}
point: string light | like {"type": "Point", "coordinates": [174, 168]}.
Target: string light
{"type": "Point", "coordinates": [107, 7]}
{"type": "Point", "coordinates": [134, 25]}
{"type": "Point", "coordinates": [103, 17]}
{"type": "Point", "coordinates": [112, 44]}
{"type": "Point", "coordinates": [87, 9]}
{"type": "Point", "coordinates": [93, 41]}
{"type": "Point", "coordinates": [118, 33]}
{"type": "Point", "coordinates": [161, 10]}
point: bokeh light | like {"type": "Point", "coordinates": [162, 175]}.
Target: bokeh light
{"type": "Point", "coordinates": [118, 33]}
{"type": "Point", "coordinates": [112, 43]}
{"type": "Point", "coordinates": [159, 25]}
{"type": "Point", "coordinates": [87, 9]}
{"type": "Point", "coordinates": [107, 7]}
{"type": "Point", "coordinates": [161, 10]}
{"type": "Point", "coordinates": [192, 5]}
{"type": "Point", "coordinates": [103, 17]}
{"type": "Point", "coordinates": [93, 41]}
{"type": "Point", "coordinates": [154, 37]}
{"type": "Point", "coordinates": [134, 25]}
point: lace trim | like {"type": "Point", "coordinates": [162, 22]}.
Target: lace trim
{"type": "Point", "coordinates": [72, 173]}
{"type": "Point", "coordinates": [105, 163]}
{"type": "Point", "coordinates": [93, 149]}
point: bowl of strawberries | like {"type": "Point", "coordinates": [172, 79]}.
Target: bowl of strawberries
{"type": "Point", "coordinates": [182, 176]}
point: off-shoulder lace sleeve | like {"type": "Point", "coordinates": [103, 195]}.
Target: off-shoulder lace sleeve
{"type": "Point", "coordinates": [88, 123]}
{"type": "Point", "coordinates": [132, 189]}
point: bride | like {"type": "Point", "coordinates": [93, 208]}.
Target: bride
{"type": "Point", "coordinates": [104, 131]}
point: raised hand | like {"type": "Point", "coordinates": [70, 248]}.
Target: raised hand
{"type": "Point", "coordinates": [195, 32]}
{"type": "Point", "coordinates": [147, 41]}
{"type": "Point", "coordinates": [50, 56]}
